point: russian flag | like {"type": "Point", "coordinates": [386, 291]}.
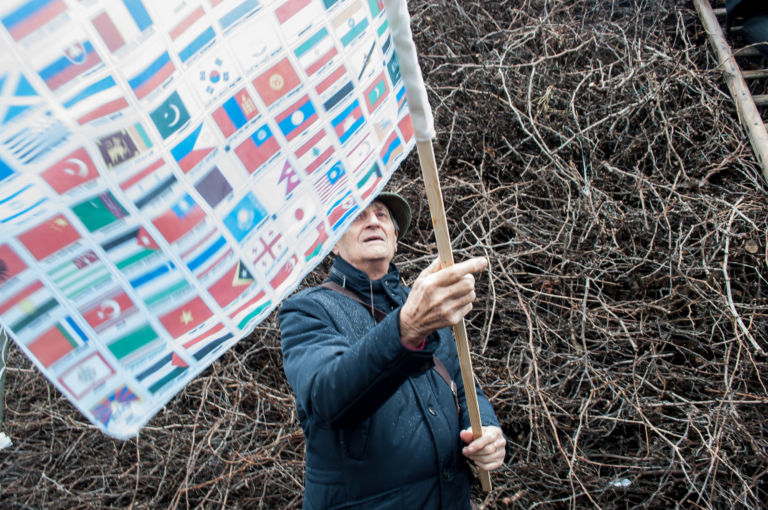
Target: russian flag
{"type": "Point", "coordinates": [189, 152]}
{"type": "Point", "coordinates": [77, 59]}
{"type": "Point", "coordinates": [31, 16]}
{"type": "Point", "coordinates": [235, 113]}
{"type": "Point", "coordinates": [152, 76]}
{"type": "Point", "coordinates": [257, 149]}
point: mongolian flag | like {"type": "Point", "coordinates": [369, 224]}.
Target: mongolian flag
{"type": "Point", "coordinates": [171, 171]}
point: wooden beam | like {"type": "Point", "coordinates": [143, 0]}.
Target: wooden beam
{"type": "Point", "coordinates": [443, 239]}
{"type": "Point", "coordinates": [745, 105]}
{"type": "Point", "coordinates": [755, 74]}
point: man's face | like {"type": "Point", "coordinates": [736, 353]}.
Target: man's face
{"type": "Point", "coordinates": [371, 238]}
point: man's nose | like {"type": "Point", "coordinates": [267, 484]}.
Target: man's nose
{"type": "Point", "coordinates": [372, 219]}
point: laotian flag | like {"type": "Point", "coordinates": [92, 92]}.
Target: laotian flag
{"type": "Point", "coordinates": [297, 118]}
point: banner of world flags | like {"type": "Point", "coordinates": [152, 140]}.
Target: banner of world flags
{"type": "Point", "coordinates": [169, 171]}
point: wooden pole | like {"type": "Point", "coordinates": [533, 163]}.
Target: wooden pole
{"type": "Point", "coordinates": [440, 224]}
{"type": "Point", "coordinates": [3, 367]}
{"type": "Point", "coordinates": [745, 105]}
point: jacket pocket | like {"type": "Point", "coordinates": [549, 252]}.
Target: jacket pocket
{"type": "Point", "coordinates": [354, 440]}
{"type": "Point", "coordinates": [389, 500]}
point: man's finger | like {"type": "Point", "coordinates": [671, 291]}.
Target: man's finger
{"type": "Point", "coordinates": [456, 272]}
{"type": "Point", "coordinates": [433, 267]}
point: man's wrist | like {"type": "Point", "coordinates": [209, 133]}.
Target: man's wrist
{"type": "Point", "coordinates": [419, 347]}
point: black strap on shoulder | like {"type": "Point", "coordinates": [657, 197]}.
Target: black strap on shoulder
{"type": "Point", "coordinates": [379, 315]}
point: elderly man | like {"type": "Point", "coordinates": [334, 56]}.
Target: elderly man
{"type": "Point", "coordinates": [373, 364]}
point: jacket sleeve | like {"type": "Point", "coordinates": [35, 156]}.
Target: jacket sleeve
{"type": "Point", "coordinates": [339, 381]}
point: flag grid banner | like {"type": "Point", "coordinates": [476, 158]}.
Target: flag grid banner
{"type": "Point", "coordinates": [170, 171]}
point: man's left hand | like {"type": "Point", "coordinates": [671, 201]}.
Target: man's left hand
{"type": "Point", "coordinates": [487, 452]}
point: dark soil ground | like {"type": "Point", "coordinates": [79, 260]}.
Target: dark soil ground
{"type": "Point", "coordinates": [591, 151]}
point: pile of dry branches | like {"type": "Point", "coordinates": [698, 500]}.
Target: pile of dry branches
{"type": "Point", "coordinates": [590, 151]}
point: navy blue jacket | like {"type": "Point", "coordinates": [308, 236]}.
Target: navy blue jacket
{"type": "Point", "coordinates": [381, 425]}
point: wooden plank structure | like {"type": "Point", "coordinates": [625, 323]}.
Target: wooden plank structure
{"type": "Point", "coordinates": [746, 103]}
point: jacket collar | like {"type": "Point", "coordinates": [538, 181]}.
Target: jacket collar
{"type": "Point", "coordinates": [343, 273]}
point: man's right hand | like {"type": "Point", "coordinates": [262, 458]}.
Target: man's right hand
{"type": "Point", "coordinates": [439, 298]}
